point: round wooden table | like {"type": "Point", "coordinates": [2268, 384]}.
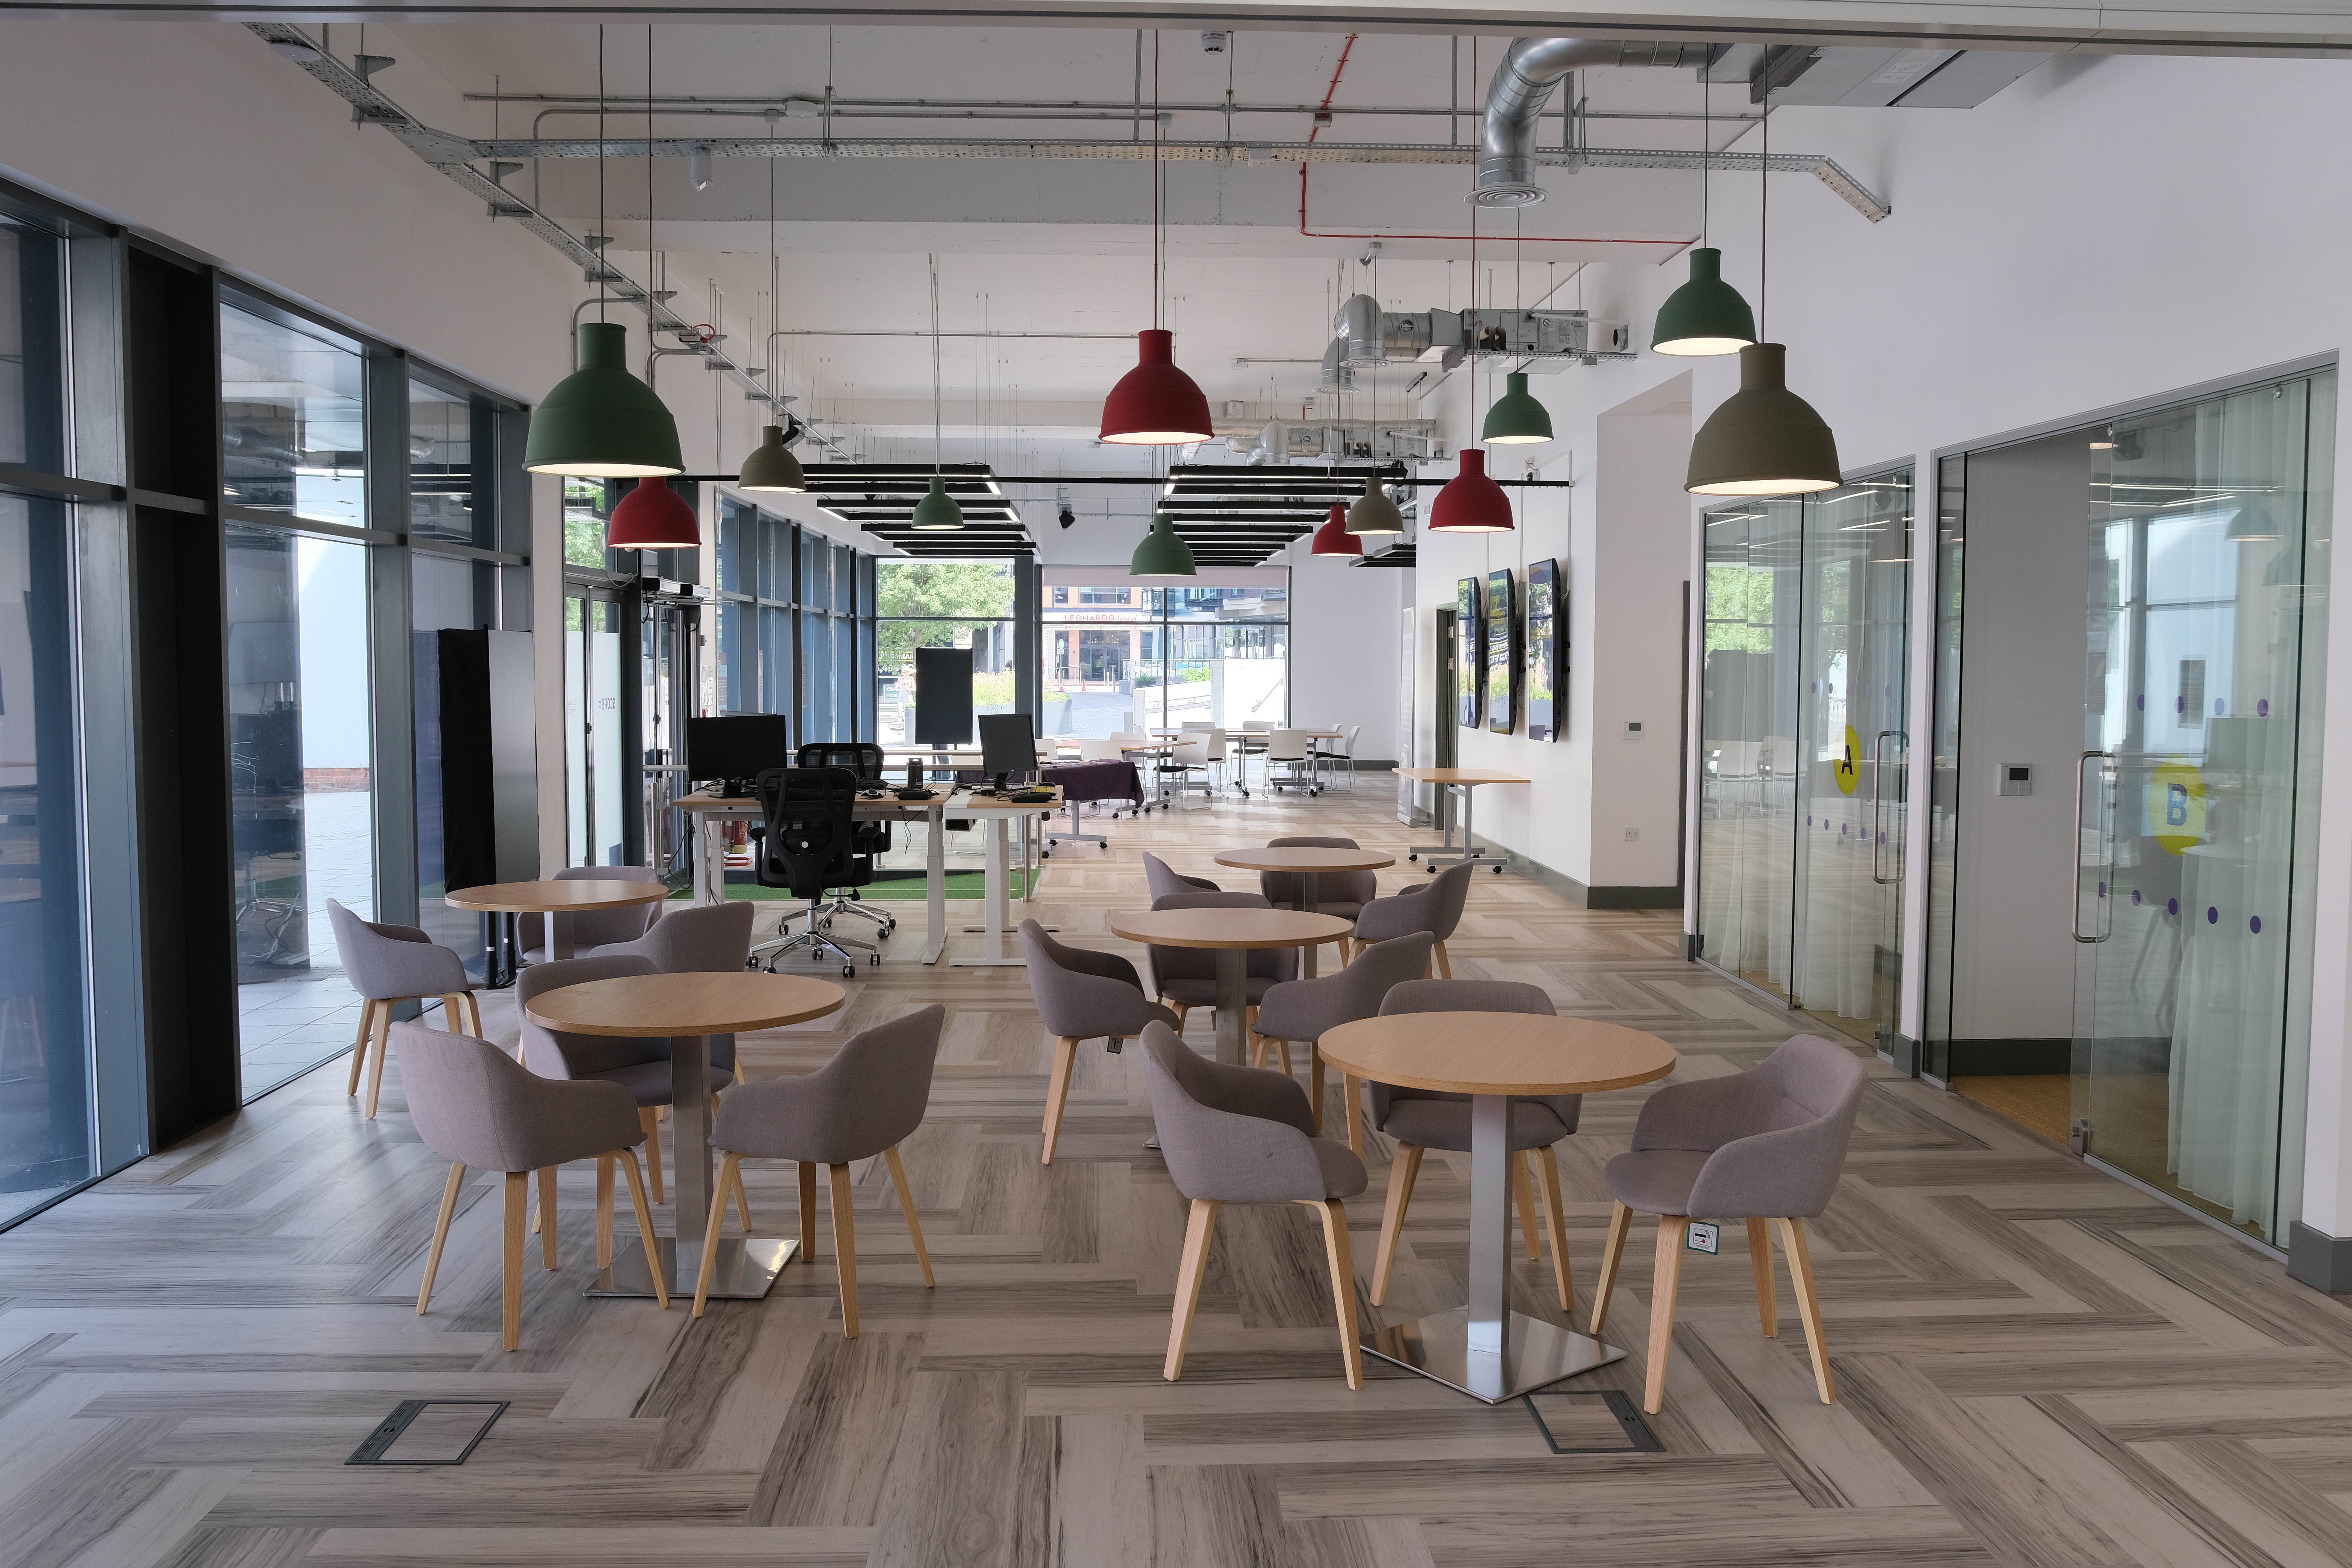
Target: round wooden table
{"type": "Point", "coordinates": [556, 901]}
{"type": "Point", "coordinates": [1306, 864]}
{"type": "Point", "coordinates": [689, 1009]}
{"type": "Point", "coordinates": [1233, 935]}
{"type": "Point", "coordinates": [1485, 1349]}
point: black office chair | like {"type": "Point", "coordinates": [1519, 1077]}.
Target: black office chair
{"type": "Point", "coordinates": [864, 758]}
{"type": "Point", "coordinates": [806, 840]}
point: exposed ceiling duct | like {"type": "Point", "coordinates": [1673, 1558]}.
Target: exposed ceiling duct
{"type": "Point", "coordinates": [1531, 67]}
{"type": "Point", "coordinates": [1540, 340]}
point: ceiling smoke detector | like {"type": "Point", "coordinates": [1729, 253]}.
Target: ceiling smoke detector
{"type": "Point", "coordinates": [1214, 43]}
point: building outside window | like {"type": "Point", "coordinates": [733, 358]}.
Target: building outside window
{"type": "Point", "coordinates": [1121, 656]}
{"type": "Point", "coordinates": [940, 604]}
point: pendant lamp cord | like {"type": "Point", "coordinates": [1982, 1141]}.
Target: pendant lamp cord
{"type": "Point", "coordinates": [600, 289]}
{"type": "Point", "coordinates": [935, 466]}
{"type": "Point", "coordinates": [1474, 259]}
{"type": "Point", "coordinates": [1706, 151]}
{"type": "Point", "coordinates": [1764, 229]}
{"type": "Point", "coordinates": [1155, 180]}
{"type": "Point", "coordinates": [649, 203]}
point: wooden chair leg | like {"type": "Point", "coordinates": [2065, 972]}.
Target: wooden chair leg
{"type": "Point", "coordinates": [1198, 1227]}
{"type": "Point", "coordinates": [906, 1205]}
{"type": "Point", "coordinates": [603, 1211]}
{"type": "Point", "coordinates": [510, 1287]}
{"type": "Point", "coordinates": [1352, 1089]}
{"type": "Point", "coordinates": [474, 1013]}
{"type": "Point", "coordinates": [1523, 1198]}
{"type": "Point", "coordinates": [1057, 1090]}
{"type": "Point", "coordinates": [1334, 1216]}
{"type": "Point", "coordinates": [440, 1235]}
{"type": "Point", "coordinates": [1809, 1302]}
{"type": "Point", "coordinates": [1315, 1084]}
{"type": "Point", "coordinates": [743, 1200]}
{"type": "Point", "coordinates": [628, 1158]}
{"type": "Point", "coordinates": [379, 1044]}
{"type": "Point", "coordinates": [547, 1216]}
{"type": "Point", "coordinates": [1180, 1009]}
{"type": "Point", "coordinates": [1665, 1278]}
{"type": "Point", "coordinates": [1402, 1171]}
{"type": "Point", "coordinates": [844, 1248]}
{"type": "Point", "coordinates": [1444, 964]}
{"type": "Point", "coordinates": [727, 1172]}
{"type": "Point", "coordinates": [1555, 1224]}
{"type": "Point", "coordinates": [1621, 1220]}
{"type": "Point", "coordinates": [808, 1212]}
{"type": "Point", "coordinates": [1759, 1258]}
{"type": "Point", "coordinates": [360, 1043]}
{"type": "Point", "coordinates": [1257, 1044]}
{"type": "Point", "coordinates": [1284, 1046]}
{"type": "Point", "coordinates": [650, 1117]}
{"type": "Point", "coordinates": [452, 1014]}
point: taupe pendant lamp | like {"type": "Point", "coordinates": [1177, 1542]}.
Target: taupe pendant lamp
{"type": "Point", "coordinates": [1763, 440]}
{"type": "Point", "coordinates": [771, 465]}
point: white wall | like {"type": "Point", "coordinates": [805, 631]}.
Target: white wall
{"type": "Point", "coordinates": [1343, 648]}
{"type": "Point", "coordinates": [2107, 230]}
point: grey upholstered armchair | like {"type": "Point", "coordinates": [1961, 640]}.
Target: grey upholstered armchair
{"type": "Point", "coordinates": [1423, 1119]}
{"type": "Point", "coordinates": [1081, 995]}
{"type": "Point", "coordinates": [1240, 1135]}
{"type": "Point", "coordinates": [701, 939]}
{"type": "Point", "coordinates": [1766, 1146]}
{"type": "Point", "coordinates": [1165, 880]}
{"type": "Point", "coordinates": [1433, 906]}
{"type": "Point", "coordinates": [865, 1102]}
{"type": "Point", "coordinates": [1342, 893]}
{"type": "Point", "coordinates": [1304, 1009]}
{"type": "Point", "coordinates": [387, 963]}
{"type": "Point", "coordinates": [1184, 978]}
{"type": "Point", "coordinates": [475, 1107]}
{"type": "Point", "coordinates": [592, 930]}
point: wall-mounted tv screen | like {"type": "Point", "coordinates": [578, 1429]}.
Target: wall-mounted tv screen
{"type": "Point", "coordinates": [1470, 659]}
{"type": "Point", "coordinates": [1546, 653]}
{"type": "Point", "coordinates": [1502, 654]}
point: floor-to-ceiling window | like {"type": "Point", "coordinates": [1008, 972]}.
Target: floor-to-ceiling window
{"type": "Point", "coordinates": [1120, 656]}
{"type": "Point", "coordinates": [294, 432]}
{"type": "Point", "coordinates": [940, 604]}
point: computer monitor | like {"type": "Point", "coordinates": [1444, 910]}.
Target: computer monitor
{"type": "Point", "coordinates": [1008, 745]}
{"type": "Point", "coordinates": [737, 747]}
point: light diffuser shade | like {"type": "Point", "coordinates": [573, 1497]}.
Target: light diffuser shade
{"type": "Point", "coordinates": [1156, 405]}
{"type": "Point", "coordinates": [1374, 512]}
{"type": "Point", "coordinates": [936, 512]}
{"type": "Point", "coordinates": [1471, 503]}
{"type": "Point", "coordinates": [1705, 315]}
{"type": "Point", "coordinates": [1163, 552]}
{"type": "Point", "coordinates": [601, 422]}
{"type": "Point", "coordinates": [653, 516]}
{"type": "Point", "coordinates": [1517, 417]}
{"type": "Point", "coordinates": [771, 465]}
{"type": "Point", "coordinates": [1763, 440]}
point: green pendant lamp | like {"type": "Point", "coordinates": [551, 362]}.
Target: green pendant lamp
{"type": "Point", "coordinates": [1763, 440]}
{"type": "Point", "coordinates": [1374, 512]}
{"type": "Point", "coordinates": [1516, 418]}
{"type": "Point", "coordinates": [601, 422]}
{"type": "Point", "coordinates": [1705, 315]}
{"type": "Point", "coordinates": [1163, 552]}
{"type": "Point", "coordinates": [938, 511]}
{"type": "Point", "coordinates": [771, 465]}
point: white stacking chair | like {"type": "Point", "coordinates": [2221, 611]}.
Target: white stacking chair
{"type": "Point", "coordinates": [1292, 749]}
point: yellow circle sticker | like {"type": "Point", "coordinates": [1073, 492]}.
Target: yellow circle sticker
{"type": "Point", "coordinates": [2175, 807]}
{"type": "Point", "coordinates": [1849, 766]}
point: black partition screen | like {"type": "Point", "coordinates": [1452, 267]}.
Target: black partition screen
{"type": "Point", "coordinates": [943, 696]}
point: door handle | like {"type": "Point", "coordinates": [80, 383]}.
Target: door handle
{"type": "Point", "coordinates": [2103, 921]}
{"type": "Point", "coordinates": [1877, 819]}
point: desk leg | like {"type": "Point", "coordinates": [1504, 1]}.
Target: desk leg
{"type": "Point", "coordinates": [1485, 1349]}
{"type": "Point", "coordinates": [935, 884]}
{"type": "Point", "coordinates": [501, 948]}
{"type": "Point", "coordinates": [559, 935]}
{"type": "Point", "coordinates": [996, 904]}
{"type": "Point", "coordinates": [710, 873]}
{"type": "Point", "coordinates": [1232, 1004]}
{"type": "Point", "coordinates": [746, 1265]}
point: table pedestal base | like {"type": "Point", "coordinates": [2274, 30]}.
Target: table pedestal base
{"type": "Point", "coordinates": [1439, 1347]}
{"type": "Point", "coordinates": [746, 1266]}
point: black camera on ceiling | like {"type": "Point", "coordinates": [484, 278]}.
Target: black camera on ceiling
{"type": "Point", "coordinates": [1068, 517]}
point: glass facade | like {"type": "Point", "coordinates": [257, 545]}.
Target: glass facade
{"type": "Point", "coordinates": [1121, 656]}
{"type": "Point", "coordinates": [293, 420]}
{"type": "Point", "coordinates": [792, 603]}
{"type": "Point", "coordinates": [940, 604]}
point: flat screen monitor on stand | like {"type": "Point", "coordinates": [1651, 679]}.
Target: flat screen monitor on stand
{"type": "Point", "coordinates": [1008, 745]}
{"type": "Point", "coordinates": [942, 700]}
{"type": "Point", "coordinates": [736, 748]}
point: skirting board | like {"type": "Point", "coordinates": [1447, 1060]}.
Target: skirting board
{"type": "Point", "coordinates": [1905, 1057]}
{"type": "Point", "coordinates": [2320, 1260]}
{"type": "Point", "coordinates": [2010, 1058]}
{"type": "Point", "coordinates": [1577, 892]}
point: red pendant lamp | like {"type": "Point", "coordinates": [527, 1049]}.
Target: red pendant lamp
{"type": "Point", "coordinates": [1333, 537]}
{"type": "Point", "coordinates": [1156, 405]}
{"type": "Point", "coordinates": [1471, 503]}
{"type": "Point", "coordinates": [653, 517]}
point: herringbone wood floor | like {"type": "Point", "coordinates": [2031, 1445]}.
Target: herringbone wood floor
{"type": "Point", "coordinates": [2036, 1364]}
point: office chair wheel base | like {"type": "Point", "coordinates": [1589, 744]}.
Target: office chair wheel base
{"type": "Point", "coordinates": [849, 971]}
{"type": "Point", "coordinates": [1498, 870]}
{"type": "Point", "coordinates": [1413, 857]}
{"type": "Point", "coordinates": [874, 961]}
{"type": "Point", "coordinates": [1432, 870]}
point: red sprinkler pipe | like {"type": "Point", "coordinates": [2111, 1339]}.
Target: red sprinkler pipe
{"type": "Point", "coordinates": [1322, 113]}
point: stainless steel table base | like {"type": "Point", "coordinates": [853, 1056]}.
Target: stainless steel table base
{"type": "Point", "coordinates": [746, 1266]}
{"type": "Point", "coordinates": [1538, 1353]}
{"type": "Point", "coordinates": [1433, 853]}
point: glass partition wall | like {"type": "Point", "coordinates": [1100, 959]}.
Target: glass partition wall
{"type": "Point", "coordinates": [1804, 749]}
{"type": "Point", "coordinates": [2170, 922]}
{"type": "Point", "coordinates": [1121, 656]}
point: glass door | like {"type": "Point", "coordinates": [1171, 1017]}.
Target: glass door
{"type": "Point", "coordinates": [2196, 806]}
{"type": "Point", "coordinates": [1856, 749]}
{"type": "Point", "coordinates": [595, 801]}
{"type": "Point", "coordinates": [1805, 749]}
{"type": "Point", "coordinates": [665, 692]}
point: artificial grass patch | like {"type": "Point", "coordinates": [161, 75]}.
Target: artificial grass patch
{"type": "Point", "coordinates": [905, 885]}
